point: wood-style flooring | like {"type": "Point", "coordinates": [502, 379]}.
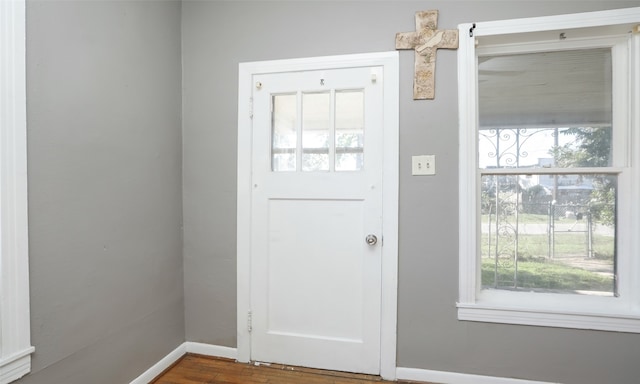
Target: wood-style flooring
{"type": "Point", "coordinates": [196, 369]}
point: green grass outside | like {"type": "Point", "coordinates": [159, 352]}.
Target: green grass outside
{"type": "Point", "coordinates": [529, 218]}
{"type": "Point", "coordinates": [566, 244]}
{"type": "Point", "coordinates": [546, 275]}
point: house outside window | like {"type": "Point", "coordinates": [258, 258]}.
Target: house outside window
{"type": "Point", "coordinates": [549, 170]}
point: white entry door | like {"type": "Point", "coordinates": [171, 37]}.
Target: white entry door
{"type": "Point", "coordinates": [316, 224]}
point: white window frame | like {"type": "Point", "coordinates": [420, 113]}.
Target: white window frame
{"type": "Point", "coordinates": [15, 344]}
{"type": "Point", "coordinates": [554, 309]}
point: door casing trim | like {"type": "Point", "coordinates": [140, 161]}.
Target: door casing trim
{"type": "Point", "coordinates": [389, 304]}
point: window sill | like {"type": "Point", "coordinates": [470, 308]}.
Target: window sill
{"type": "Point", "coordinates": [15, 366]}
{"type": "Point", "coordinates": [548, 318]}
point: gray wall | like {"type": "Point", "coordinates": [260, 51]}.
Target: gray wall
{"type": "Point", "coordinates": [105, 213]}
{"type": "Point", "coordinates": [219, 35]}
{"type": "Point", "coordinates": [107, 162]}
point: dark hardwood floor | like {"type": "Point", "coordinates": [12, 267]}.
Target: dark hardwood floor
{"type": "Point", "coordinates": [196, 369]}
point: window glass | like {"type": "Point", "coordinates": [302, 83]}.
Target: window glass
{"type": "Point", "coordinates": [547, 232]}
{"type": "Point", "coordinates": [316, 117]}
{"type": "Point", "coordinates": [349, 130]}
{"type": "Point", "coordinates": [545, 109]}
{"type": "Point", "coordinates": [330, 136]}
{"type": "Point", "coordinates": [561, 147]}
{"type": "Point", "coordinates": [284, 135]}
{"type": "Point", "coordinates": [549, 213]}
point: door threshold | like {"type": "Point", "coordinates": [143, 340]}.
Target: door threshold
{"type": "Point", "coordinates": [320, 372]}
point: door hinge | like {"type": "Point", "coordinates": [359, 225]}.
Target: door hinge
{"type": "Point", "coordinates": [249, 326]}
{"type": "Point", "coordinates": [251, 107]}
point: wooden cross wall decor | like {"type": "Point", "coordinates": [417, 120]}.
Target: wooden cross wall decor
{"type": "Point", "coordinates": [426, 40]}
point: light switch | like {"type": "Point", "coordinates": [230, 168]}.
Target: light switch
{"type": "Point", "coordinates": [423, 165]}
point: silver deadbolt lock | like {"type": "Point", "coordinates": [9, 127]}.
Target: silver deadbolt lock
{"type": "Point", "coordinates": [371, 239]}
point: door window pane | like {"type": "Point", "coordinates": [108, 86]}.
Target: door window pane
{"type": "Point", "coordinates": [349, 130]}
{"type": "Point", "coordinates": [316, 114]}
{"type": "Point", "coordinates": [284, 135]}
{"type": "Point", "coordinates": [549, 233]}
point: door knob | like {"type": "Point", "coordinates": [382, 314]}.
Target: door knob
{"type": "Point", "coordinates": [371, 239]}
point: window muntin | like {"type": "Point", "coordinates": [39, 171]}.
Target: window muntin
{"type": "Point", "coordinates": [547, 232]}
{"type": "Point", "coordinates": [318, 131]}
{"type": "Point", "coordinates": [611, 30]}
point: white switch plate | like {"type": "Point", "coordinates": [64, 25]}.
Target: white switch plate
{"type": "Point", "coordinates": [423, 165]}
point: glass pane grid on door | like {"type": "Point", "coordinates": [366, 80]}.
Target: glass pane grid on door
{"type": "Point", "coordinates": [318, 131]}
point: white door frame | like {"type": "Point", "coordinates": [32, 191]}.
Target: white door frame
{"type": "Point", "coordinates": [389, 305]}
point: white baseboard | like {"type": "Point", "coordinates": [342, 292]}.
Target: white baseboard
{"type": "Point", "coordinates": [211, 350]}
{"type": "Point", "coordinates": [161, 365]}
{"type": "Point", "coordinates": [15, 366]}
{"type": "Point", "coordinates": [181, 350]}
{"type": "Point", "coordinates": [412, 374]}
{"type": "Point", "coordinates": [443, 377]}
